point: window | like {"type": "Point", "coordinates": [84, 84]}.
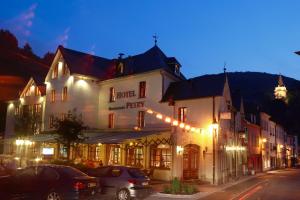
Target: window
{"type": "Point", "coordinates": [55, 72]}
{"type": "Point", "coordinates": [134, 156]}
{"type": "Point", "coordinates": [52, 96]}
{"type": "Point", "coordinates": [17, 110]}
{"type": "Point", "coordinates": [51, 121]}
{"type": "Point", "coordinates": [112, 96]}
{"type": "Point", "coordinates": [141, 119]}
{"type": "Point", "coordinates": [111, 120]}
{"type": "Point", "coordinates": [120, 68]}
{"type": "Point", "coordinates": [64, 95]}
{"type": "Point", "coordinates": [142, 89]}
{"type": "Point", "coordinates": [37, 108]}
{"type": "Point", "coordinates": [64, 69]}
{"type": "Point", "coordinates": [115, 155]}
{"type": "Point", "coordinates": [63, 116]}
{"type": "Point", "coordinates": [177, 69]}
{"type": "Point", "coordinates": [182, 114]}
{"type": "Point", "coordinates": [160, 157]}
{"type": "Point", "coordinates": [37, 91]}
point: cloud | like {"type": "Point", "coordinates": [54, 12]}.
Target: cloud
{"type": "Point", "coordinates": [22, 23]}
{"type": "Point", "coordinates": [63, 39]}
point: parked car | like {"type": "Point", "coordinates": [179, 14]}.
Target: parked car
{"type": "Point", "coordinates": [48, 182]}
{"type": "Point", "coordinates": [123, 181]}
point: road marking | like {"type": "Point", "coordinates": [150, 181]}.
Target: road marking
{"type": "Point", "coordinates": [255, 187]}
{"type": "Point", "coordinates": [251, 192]}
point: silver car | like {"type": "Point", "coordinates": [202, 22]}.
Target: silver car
{"type": "Point", "coordinates": [123, 181]}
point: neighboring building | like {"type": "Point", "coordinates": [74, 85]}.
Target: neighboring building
{"type": "Point", "coordinates": [25, 117]}
{"type": "Point", "coordinates": [253, 134]}
{"type": "Point", "coordinates": [265, 140]}
{"type": "Point", "coordinates": [272, 144]}
{"type": "Point", "coordinates": [291, 150]}
{"type": "Point", "coordinates": [280, 136]}
{"type": "Point", "coordinates": [205, 102]}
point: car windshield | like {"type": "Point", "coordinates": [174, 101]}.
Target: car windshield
{"type": "Point", "coordinates": [136, 173]}
{"type": "Point", "coordinates": [71, 172]}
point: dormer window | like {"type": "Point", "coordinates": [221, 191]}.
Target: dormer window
{"type": "Point", "coordinates": [120, 68]}
{"type": "Point", "coordinates": [177, 69]}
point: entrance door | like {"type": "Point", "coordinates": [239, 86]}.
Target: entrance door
{"type": "Point", "coordinates": [190, 161]}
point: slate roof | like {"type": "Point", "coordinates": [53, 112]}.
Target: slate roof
{"type": "Point", "coordinates": [85, 64]}
{"type": "Point", "coordinates": [198, 87]}
{"type": "Point", "coordinates": [104, 68]}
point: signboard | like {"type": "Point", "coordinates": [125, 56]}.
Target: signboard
{"type": "Point", "coordinates": [129, 104]}
{"type": "Point", "coordinates": [47, 151]}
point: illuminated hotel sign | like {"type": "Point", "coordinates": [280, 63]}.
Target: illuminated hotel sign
{"type": "Point", "coordinates": [128, 105]}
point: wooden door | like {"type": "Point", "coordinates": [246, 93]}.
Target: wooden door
{"type": "Point", "coordinates": [190, 161]}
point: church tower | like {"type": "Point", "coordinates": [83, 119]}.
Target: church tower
{"type": "Point", "coordinates": [280, 91]}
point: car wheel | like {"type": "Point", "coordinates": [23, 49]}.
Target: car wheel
{"type": "Point", "coordinates": [123, 194]}
{"type": "Point", "coordinates": [53, 196]}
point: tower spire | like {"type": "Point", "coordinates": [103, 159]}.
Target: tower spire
{"type": "Point", "coordinates": [155, 37]}
{"type": "Point", "coordinates": [280, 81]}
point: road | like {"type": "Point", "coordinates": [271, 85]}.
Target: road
{"type": "Point", "coordinates": [275, 185]}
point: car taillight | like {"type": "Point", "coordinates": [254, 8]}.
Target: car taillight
{"type": "Point", "coordinates": [79, 186]}
{"type": "Point", "coordinates": [133, 181]}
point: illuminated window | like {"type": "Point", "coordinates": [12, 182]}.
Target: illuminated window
{"type": "Point", "coordinates": [17, 110]}
{"type": "Point", "coordinates": [141, 119]}
{"type": "Point", "coordinates": [55, 72]}
{"type": "Point", "coordinates": [120, 68]}
{"type": "Point", "coordinates": [37, 91]}
{"type": "Point", "coordinates": [182, 114]}
{"type": "Point", "coordinates": [64, 96]}
{"type": "Point", "coordinates": [51, 121]}
{"type": "Point", "coordinates": [160, 157]}
{"type": "Point", "coordinates": [115, 154]}
{"type": "Point", "coordinates": [112, 94]}
{"type": "Point", "coordinates": [134, 156]}
{"type": "Point", "coordinates": [142, 89]}
{"type": "Point", "coordinates": [52, 96]}
{"type": "Point", "coordinates": [111, 120]}
{"type": "Point", "coordinates": [64, 70]}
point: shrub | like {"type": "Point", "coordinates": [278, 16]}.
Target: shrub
{"type": "Point", "coordinates": [175, 186]}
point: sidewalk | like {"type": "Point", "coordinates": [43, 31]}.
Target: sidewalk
{"type": "Point", "coordinates": [204, 189]}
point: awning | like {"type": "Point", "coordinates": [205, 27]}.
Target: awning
{"type": "Point", "coordinates": [119, 137]}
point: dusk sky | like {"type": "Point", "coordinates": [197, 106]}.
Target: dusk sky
{"type": "Point", "coordinates": [251, 35]}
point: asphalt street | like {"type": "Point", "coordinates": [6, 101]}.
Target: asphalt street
{"type": "Point", "coordinates": [275, 185]}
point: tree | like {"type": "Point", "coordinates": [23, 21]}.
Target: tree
{"type": "Point", "coordinates": [48, 58]}
{"type": "Point", "coordinates": [27, 51]}
{"type": "Point", "coordinates": [69, 130]}
{"type": "Point", "coordinates": [27, 123]}
{"type": "Point", "coordinates": [8, 40]}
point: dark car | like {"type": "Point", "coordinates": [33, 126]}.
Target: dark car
{"type": "Point", "coordinates": [123, 181]}
{"type": "Point", "coordinates": [48, 182]}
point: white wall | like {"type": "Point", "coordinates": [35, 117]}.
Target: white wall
{"type": "Point", "coordinates": [127, 117]}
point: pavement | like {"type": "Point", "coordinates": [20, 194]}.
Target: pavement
{"type": "Point", "coordinates": [273, 185]}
